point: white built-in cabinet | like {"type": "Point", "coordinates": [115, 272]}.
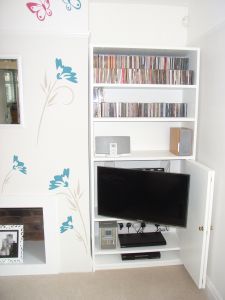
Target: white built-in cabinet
{"type": "Point", "coordinates": [150, 139]}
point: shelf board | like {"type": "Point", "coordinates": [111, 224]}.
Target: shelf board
{"type": "Point", "coordinates": [170, 237]}
{"type": "Point", "coordinates": [115, 261]}
{"type": "Point", "coordinates": [98, 218]}
{"type": "Point", "coordinates": [142, 50]}
{"type": "Point", "coordinates": [142, 119]}
{"type": "Point", "coordinates": [141, 86]}
{"type": "Point", "coordinates": [142, 155]}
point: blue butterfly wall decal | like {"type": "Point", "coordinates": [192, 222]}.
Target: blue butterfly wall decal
{"type": "Point", "coordinates": [72, 4]}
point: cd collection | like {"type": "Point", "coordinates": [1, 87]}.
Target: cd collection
{"type": "Point", "coordinates": [108, 61]}
{"type": "Point", "coordinates": [141, 69]}
{"type": "Point", "coordinates": [132, 109]}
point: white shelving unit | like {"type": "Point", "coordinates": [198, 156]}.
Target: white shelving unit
{"type": "Point", "coordinates": [149, 146]}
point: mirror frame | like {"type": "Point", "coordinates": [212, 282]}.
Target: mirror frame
{"type": "Point", "coordinates": [20, 89]}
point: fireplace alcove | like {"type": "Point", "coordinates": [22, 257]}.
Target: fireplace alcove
{"type": "Point", "coordinates": [41, 246]}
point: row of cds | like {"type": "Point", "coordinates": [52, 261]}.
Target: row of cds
{"type": "Point", "coordinates": [130, 109]}
{"type": "Point", "coordinates": [107, 61]}
{"type": "Point", "coordinates": [143, 76]}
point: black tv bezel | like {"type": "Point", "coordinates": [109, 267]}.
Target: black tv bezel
{"type": "Point", "coordinates": [182, 223]}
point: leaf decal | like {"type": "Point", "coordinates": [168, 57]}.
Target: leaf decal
{"type": "Point", "coordinates": [51, 99]}
{"type": "Point", "coordinates": [45, 81]}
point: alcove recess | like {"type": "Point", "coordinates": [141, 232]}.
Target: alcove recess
{"type": "Point", "coordinates": [32, 220]}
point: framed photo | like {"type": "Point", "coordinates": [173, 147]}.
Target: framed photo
{"type": "Point", "coordinates": [11, 244]}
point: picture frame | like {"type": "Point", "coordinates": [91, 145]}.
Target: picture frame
{"type": "Point", "coordinates": [11, 244]}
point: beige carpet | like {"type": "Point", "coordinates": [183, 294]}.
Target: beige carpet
{"type": "Point", "coordinates": [164, 283]}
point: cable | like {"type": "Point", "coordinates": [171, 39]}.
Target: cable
{"type": "Point", "coordinates": [142, 226]}
{"type": "Point", "coordinates": [128, 226]}
{"type": "Point", "coordinates": [135, 228]}
{"type": "Point", "coordinates": [157, 227]}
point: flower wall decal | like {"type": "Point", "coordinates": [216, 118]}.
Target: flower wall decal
{"type": "Point", "coordinates": [72, 4]}
{"type": "Point", "coordinates": [41, 9]}
{"type": "Point", "coordinates": [73, 197]}
{"type": "Point", "coordinates": [52, 90]}
{"type": "Point", "coordinates": [67, 225]}
{"type": "Point", "coordinates": [65, 72]}
{"type": "Point", "coordinates": [18, 166]}
{"type": "Point", "coordinates": [60, 180]}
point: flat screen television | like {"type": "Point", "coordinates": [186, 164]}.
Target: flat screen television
{"type": "Point", "coordinates": [140, 195]}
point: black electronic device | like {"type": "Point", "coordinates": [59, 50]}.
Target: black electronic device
{"type": "Point", "coordinates": [141, 255]}
{"type": "Point", "coordinates": [141, 239]}
{"type": "Point", "coordinates": [140, 195]}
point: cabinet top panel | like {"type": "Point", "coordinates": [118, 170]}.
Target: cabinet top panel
{"type": "Point", "coordinates": [185, 51]}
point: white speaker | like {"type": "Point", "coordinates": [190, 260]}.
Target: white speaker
{"type": "Point", "coordinates": [181, 141]}
{"type": "Point", "coordinates": [112, 145]}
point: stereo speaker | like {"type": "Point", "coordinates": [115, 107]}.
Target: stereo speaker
{"type": "Point", "coordinates": [181, 141]}
{"type": "Point", "coordinates": [112, 145]}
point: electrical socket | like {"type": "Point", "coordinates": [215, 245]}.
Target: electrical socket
{"type": "Point", "coordinates": [128, 225]}
{"type": "Point", "coordinates": [120, 226]}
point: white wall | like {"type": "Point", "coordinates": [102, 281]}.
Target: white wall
{"type": "Point", "coordinates": [204, 15]}
{"type": "Point", "coordinates": [15, 16]}
{"type": "Point", "coordinates": [63, 139]}
{"type": "Point", "coordinates": [207, 30]}
{"type": "Point", "coordinates": [137, 23]}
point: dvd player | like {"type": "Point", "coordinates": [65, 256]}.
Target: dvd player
{"type": "Point", "coordinates": [148, 255]}
{"type": "Point", "coordinates": [141, 239]}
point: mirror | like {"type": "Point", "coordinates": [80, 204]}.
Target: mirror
{"type": "Point", "coordinates": [10, 96]}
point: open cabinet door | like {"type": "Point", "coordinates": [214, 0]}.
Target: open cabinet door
{"type": "Point", "coordinates": [194, 239]}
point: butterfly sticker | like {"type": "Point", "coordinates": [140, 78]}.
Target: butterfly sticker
{"type": "Point", "coordinates": [72, 4]}
{"type": "Point", "coordinates": [41, 9]}
{"type": "Point", "coordinates": [66, 225]}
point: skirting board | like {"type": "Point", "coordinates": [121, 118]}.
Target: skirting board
{"type": "Point", "coordinates": [211, 291]}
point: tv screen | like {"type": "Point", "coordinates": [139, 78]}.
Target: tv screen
{"type": "Point", "coordinates": [154, 197]}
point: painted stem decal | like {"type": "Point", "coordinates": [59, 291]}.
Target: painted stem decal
{"type": "Point", "coordinates": [52, 91]}
{"type": "Point", "coordinates": [40, 9]}
{"type": "Point", "coordinates": [17, 166]}
{"type": "Point", "coordinates": [73, 197]}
